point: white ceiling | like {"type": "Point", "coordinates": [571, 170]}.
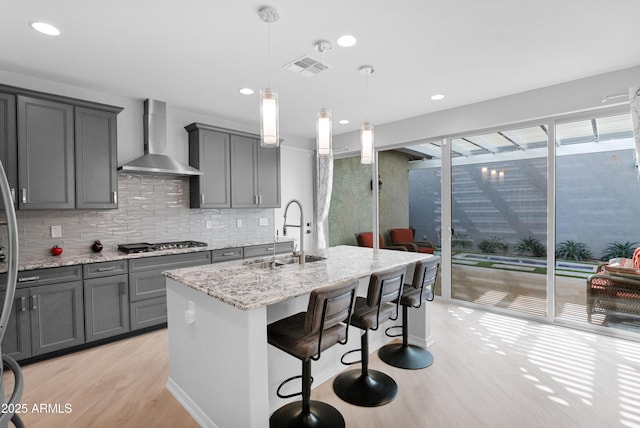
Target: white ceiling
{"type": "Point", "coordinates": [197, 54]}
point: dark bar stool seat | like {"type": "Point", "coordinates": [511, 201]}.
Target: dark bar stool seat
{"type": "Point", "coordinates": [371, 387]}
{"type": "Point", "coordinates": [420, 290]}
{"type": "Point", "coordinates": [304, 336]}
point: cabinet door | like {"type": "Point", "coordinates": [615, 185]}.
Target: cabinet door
{"type": "Point", "coordinates": [244, 161]}
{"type": "Point", "coordinates": [57, 317]}
{"type": "Point", "coordinates": [46, 170]}
{"type": "Point", "coordinates": [8, 141]}
{"type": "Point", "coordinates": [106, 305]}
{"type": "Point", "coordinates": [96, 159]}
{"type": "Point", "coordinates": [269, 177]}
{"type": "Point", "coordinates": [17, 337]}
{"type": "Point", "coordinates": [209, 152]}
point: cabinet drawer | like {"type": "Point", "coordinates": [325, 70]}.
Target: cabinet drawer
{"type": "Point", "coordinates": [267, 249]}
{"type": "Point", "coordinates": [172, 261]}
{"type": "Point", "coordinates": [226, 254]}
{"type": "Point", "coordinates": [29, 278]}
{"type": "Point", "coordinates": [147, 313]}
{"type": "Point", "coordinates": [98, 270]}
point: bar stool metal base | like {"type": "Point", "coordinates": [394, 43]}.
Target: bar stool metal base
{"type": "Point", "coordinates": [405, 356]}
{"type": "Point", "coordinates": [374, 389]}
{"type": "Point", "coordinates": [321, 415]}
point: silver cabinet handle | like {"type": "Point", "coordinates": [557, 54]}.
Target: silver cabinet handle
{"type": "Point", "coordinates": [23, 304]}
{"type": "Point", "coordinates": [106, 269]}
{"type": "Point", "coordinates": [34, 302]}
{"type": "Point", "coordinates": [115, 197]}
{"type": "Point", "coordinates": [28, 278]}
{"type": "Point", "coordinates": [24, 195]}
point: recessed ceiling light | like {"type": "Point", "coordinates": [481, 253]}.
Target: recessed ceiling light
{"type": "Point", "coordinates": [437, 97]}
{"type": "Point", "coordinates": [346, 41]}
{"type": "Point", "coordinates": [45, 28]}
{"type": "Point", "coordinates": [246, 91]}
{"type": "Point", "coordinates": [343, 122]}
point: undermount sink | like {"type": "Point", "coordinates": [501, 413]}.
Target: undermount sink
{"type": "Point", "coordinates": [288, 260]}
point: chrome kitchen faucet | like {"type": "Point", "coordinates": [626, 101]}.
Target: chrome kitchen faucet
{"type": "Point", "coordinates": [301, 226]}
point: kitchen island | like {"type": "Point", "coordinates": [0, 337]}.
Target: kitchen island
{"type": "Point", "coordinates": [221, 368]}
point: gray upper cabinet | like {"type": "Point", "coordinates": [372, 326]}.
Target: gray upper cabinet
{"type": "Point", "coordinates": [8, 141]}
{"type": "Point", "coordinates": [269, 177]}
{"type": "Point", "coordinates": [46, 166]}
{"type": "Point", "coordinates": [96, 159]}
{"type": "Point", "coordinates": [244, 160]}
{"type": "Point", "coordinates": [255, 174]}
{"type": "Point", "coordinates": [209, 151]}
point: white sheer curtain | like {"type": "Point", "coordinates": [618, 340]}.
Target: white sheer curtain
{"type": "Point", "coordinates": [634, 101]}
{"type": "Point", "coordinates": [323, 192]}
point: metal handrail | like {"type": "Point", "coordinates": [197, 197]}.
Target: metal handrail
{"type": "Point", "coordinates": [12, 276]}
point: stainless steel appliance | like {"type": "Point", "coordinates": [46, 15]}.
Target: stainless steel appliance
{"type": "Point", "coordinates": [9, 407]}
{"type": "Point", "coordinates": [145, 247]}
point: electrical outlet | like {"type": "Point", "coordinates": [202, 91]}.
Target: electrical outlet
{"type": "Point", "coordinates": [239, 222]}
{"type": "Point", "coordinates": [56, 231]}
{"type": "Point", "coordinates": [264, 221]}
{"type": "Point", "coordinates": [208, 224]}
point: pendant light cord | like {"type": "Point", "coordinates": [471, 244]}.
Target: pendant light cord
{"type": "Point", "coordinates": [269, 55]}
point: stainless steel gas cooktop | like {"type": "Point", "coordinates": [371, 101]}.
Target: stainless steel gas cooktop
{"type": "Point", "coordinates": [145, 247]}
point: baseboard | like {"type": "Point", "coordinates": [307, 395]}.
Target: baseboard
{"type": "Point", "coordinates": [192, 408]}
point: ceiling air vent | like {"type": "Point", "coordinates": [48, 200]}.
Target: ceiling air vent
{"type": "Point", "coordinates": [306, 66]}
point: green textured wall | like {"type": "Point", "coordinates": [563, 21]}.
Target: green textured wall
{"type": "Point", "coordinates": [351, 199]}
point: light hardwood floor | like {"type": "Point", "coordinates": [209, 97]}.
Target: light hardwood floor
{"type": "Point", "coordinates": [490, 370]}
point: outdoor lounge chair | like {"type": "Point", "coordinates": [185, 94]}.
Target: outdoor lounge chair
{"type": "Point", "coordinates": [404, 237]}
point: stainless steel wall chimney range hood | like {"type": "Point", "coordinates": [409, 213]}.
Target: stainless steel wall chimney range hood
{"type": "Point", "coordinates": [155, 160]}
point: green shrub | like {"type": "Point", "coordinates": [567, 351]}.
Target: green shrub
{"type": "Point", "coordinates": [493, 245]}
{"type": "Point", "coordinates": [619, 249]}
{"type": "Point", "coordinates": [571, 250]}
{"type": "Point", "coordinates": [460, 241]}
{"type": "Point", "coordinates": [530, 247]}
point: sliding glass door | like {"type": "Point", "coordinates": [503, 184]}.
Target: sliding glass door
{"type": "Point", "coordinates": [597, 205]}
{"type": "Point", "coordinates": [498, 219]}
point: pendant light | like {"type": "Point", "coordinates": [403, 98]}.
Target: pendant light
{"type": "Point", "coordinates": [323, 121]}
{"type": "Point", "coordinates": [269, 117]}
{"type": "Point", "coordinates": [366, 130]}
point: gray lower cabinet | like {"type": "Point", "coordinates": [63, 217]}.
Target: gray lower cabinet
{"type": "Point", "coordinates": [106, 300]}
{"type": "Point", "coordinates": [46, 166]}
{"type": "Point", "coordinates": [147, 285]}
{"type": "Point", "coordinates": [47, 313]}
{"type": "Point", "coordinates": [57, 320]}
{"type": "Point", "coordinates": [268, 249]}
{"type": "Point", "coordinates": [17, 337]}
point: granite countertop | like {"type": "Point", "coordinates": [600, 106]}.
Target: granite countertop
{"type": "Point", "coordinates": [249, 287]}
{"type": "Point", "coordinates": [30, 262]}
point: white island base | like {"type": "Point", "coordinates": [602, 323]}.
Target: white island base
{"type": "Point", "coordinates": [223, 371]}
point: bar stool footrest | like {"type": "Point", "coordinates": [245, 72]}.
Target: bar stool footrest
{"type": "Point", "coordinates": [386, 332]}
{"type": "Point", "coordinates": [284, 382]}
{"type": "Point", "coordinates": [349, 363]}
{"type": "Point", "coordinates": [321, 415]}
{"type": "Point", "coordinates": [405, 356]}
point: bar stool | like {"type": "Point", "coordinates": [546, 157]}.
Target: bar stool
{"type": "Point", "coordinates": [371, 387]}
{"type": "Point", "coordinates": [304, 336]}
{"type": "Point", "coordinates": [422, 289]}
